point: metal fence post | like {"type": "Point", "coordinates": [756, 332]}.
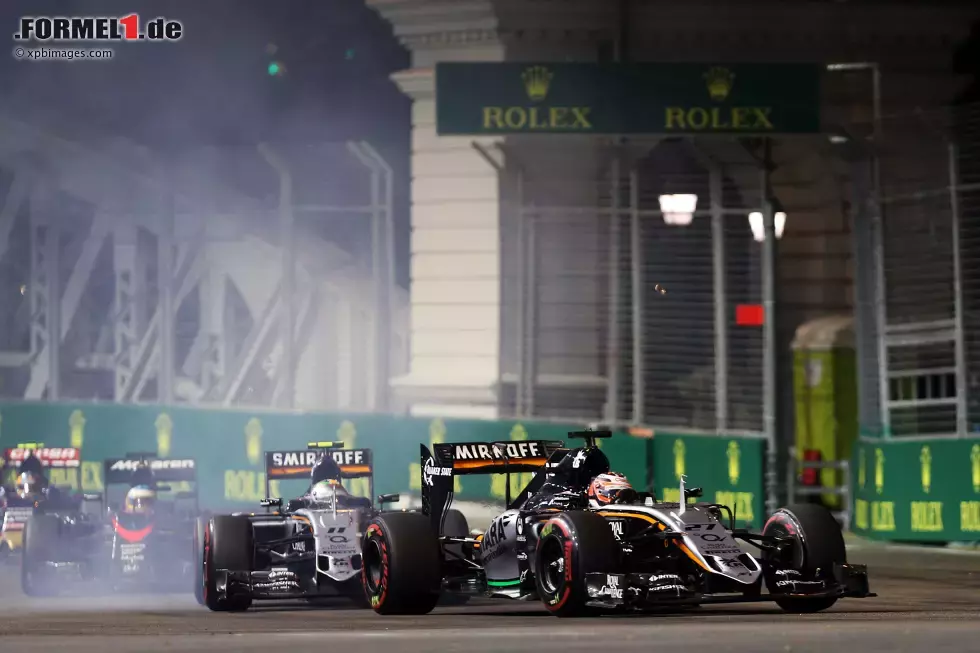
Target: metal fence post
{"type": "Point", "coordinates": [954, 204]}
{"type": "Point", "coordinates": [636, 262]}
{"type": "Point", "coordinates": [531, 314]}
{"type": "Point", "coordinates": [615, 290]}
{"type": "Point", "coordinates": [878, 226]}
{"type": "Point", "coordinates": [521, 321]}
{"type": "Point", "coordinates": [769, 333]}
{"type": "Point", "coordinates": [720, 297]}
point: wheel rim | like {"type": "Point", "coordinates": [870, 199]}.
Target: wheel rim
{"type": "Point", "coordinates": [793, 557]}
{"type": "Point", "coordinates": [373, 565]}
{"type": "Point", "coordinates": [551, 559]}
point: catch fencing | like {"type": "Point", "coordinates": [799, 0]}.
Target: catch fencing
{"type": "Point", "coordinates": [925, 282]}
{"type": "Point", "coordinates": [613, 310]}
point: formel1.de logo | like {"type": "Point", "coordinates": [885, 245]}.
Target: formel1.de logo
{"type": "Point", "coordinates": [65, 29]}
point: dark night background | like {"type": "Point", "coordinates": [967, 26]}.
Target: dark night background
{"type": "Point", "coordinates": [213, 87]}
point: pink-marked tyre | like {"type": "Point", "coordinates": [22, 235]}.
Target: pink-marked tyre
{"type": "Point", "coordinates": [571, 546]}
{"type": "Point", "coordinates": [227, 545]}
{"type": "Point", "coordinates": [818, 545]}
{"type": "Point", "coordinates": [401, 564]}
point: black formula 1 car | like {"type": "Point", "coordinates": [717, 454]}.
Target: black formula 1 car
{"type": "Point", "coordinates": [636, 554]}
{"type": "Point", "coordinates": [18, 504]}
{"type": "Point", "coordinates": [113, 547]}
{"type": "Point", "coordinates": [308, 549]}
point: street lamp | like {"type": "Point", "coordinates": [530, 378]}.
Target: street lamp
{"type": "Point", "coordinates": [679, 209]}
{"type": "Point", "coordinates": [758, 231]}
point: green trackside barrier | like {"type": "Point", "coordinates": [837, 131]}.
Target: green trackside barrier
{"type": "Point", "coordinates": [728, 469]}
{"type": "Point", "coordinates": [922, 491]}
{"type": "Point", "coordinates": [228, 445]}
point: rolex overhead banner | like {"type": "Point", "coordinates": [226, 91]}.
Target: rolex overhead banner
{"type": "Point", "coordinates": [642, 98]}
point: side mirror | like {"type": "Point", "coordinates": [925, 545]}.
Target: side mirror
{"type": "Point", "coordinates": [271, 503]}
{"type": "Point", "coordinates": [694, 492]}
{"type": "Point", "coordinates": [388, 498]}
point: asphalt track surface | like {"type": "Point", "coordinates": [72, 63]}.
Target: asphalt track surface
{"type": "Point", "coordinates": [928, 602]}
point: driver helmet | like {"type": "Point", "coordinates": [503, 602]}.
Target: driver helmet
{"type": "Point", "coordinates": [140, 499]}
{"type": "Point", "coordinates": [28, 484]}
{"type": "Point", "coordinates": [609, 488]}
{"type": "Point", "coordinates": [324, 469]}
{"type": "Point", "coordinates": [323, 492]}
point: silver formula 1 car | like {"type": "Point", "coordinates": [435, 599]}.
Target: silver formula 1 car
{"type": "Point", "coordinates": [309, 548]}
{"type": "Point", "coordinates": [552, 544]}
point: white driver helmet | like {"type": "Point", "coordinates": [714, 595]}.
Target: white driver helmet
{"type": "Point", "coordinates": [324, 491]}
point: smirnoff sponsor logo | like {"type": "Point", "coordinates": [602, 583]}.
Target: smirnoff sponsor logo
{"type": "Point", "coordinates": [498, 451]}
{"type": "Point", "coordinates": [342, 457]}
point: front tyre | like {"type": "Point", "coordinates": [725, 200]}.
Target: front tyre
{"type": "Point", "coordinates": [40, 544]}
{"type": "Point", "coordinates": [817, 547]}
{"type": "Point", "coordinates": [571, 546]}
{"type": "Point", "coordinates": [402, 564]}
{"type": "Point", "coordinates": [227, 545]}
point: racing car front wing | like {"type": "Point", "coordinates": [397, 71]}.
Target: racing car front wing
{"type": "Point", "coordinates": [274, 584]}
{"type": "Point", "coordinates": [645, 590]}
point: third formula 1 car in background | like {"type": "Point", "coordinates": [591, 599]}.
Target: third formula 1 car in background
{"type": "Point", "coordinates": [581, 540]}
{"type": "Point", "coordinates": [27, 487]}
{"type": "Point", "coordinates": [140, 536]}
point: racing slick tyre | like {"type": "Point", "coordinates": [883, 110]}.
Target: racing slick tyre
{"type": "Point", "coordinates": [39, 544]}
{"type": "Point", "coordinates": [227, 545]}
{"type": "Point", "coordinates": [570, 546]}
{"type": "Point", "coordinates": [818, 545]}
{"type": "Point", "coordinates": [201, 524]}
{"type": "Point", "coordinates": [455, 525]}
{"type": "Point", "coordinates": [402, 564]}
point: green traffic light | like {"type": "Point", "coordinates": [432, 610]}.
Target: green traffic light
{"type": "Point", "coordinates": [275, 68]}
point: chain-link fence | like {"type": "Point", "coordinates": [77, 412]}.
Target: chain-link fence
{"type": "Point", "coordinates": [928, 167]}
{"type": "Point", "coordinates": [613, 310]}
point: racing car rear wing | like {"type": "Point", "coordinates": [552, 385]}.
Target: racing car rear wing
{"type": "Point", "coordinates": [352, 463]}
{"type": "Point", "coordinates": [137, 469]}
{"type": "Point", "coordinates": [47, 456]}
{"type": "Point", "coordinates": [447, 460]}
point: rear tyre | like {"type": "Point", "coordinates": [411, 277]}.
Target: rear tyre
{"type": "Point", "coordinates": [572, 545]}
{"type": "Point", "coordinates": [818, 545]}
{"type": "Point", "coordinates": [402, 564]}
{"type": "Point", "coordinates": [40, 544]}
{"type": "Point", "coordinates": [227, 545]}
